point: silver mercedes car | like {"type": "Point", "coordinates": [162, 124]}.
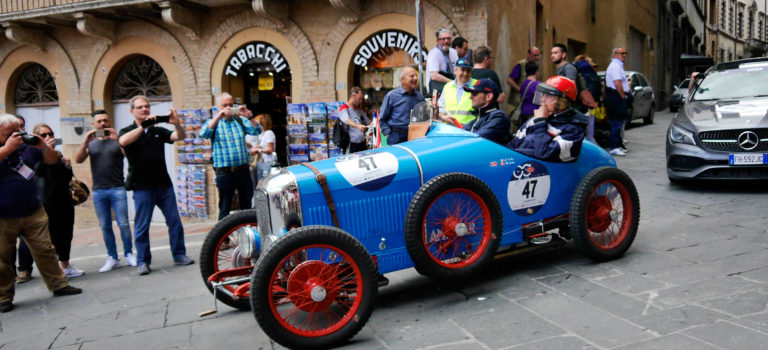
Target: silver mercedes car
{"type": "Point", "coordinates": [722, 130]}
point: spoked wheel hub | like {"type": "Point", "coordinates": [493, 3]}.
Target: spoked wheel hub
{"type": "Point", "coordinates": [600, 213]}
{"type": "Point", "coordinates": [312, 286]}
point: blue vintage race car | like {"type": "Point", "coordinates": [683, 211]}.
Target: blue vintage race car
{"type": "Point", "coordinates": [310, 257]}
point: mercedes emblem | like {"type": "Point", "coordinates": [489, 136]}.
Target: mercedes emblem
{"type": "Point", "coordinates": [748, 140]}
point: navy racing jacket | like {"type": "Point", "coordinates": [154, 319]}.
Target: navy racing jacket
{"type": "Point", "coordinates": [491, 123]}
{"type": "Point", "coordinates": [555, 139]}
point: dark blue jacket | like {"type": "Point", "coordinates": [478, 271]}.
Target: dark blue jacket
{"type": "Point", "coordinates": [491, 123]}
{"type": "Point", "coordinates": [556, 139]}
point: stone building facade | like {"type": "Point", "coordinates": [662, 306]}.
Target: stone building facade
{"type": "Point", "coordinates": [95, 53]}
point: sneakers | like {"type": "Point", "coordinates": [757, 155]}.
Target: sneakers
{"type": "Point", "coordinates": [71, 271]}
{"type": "Point", "coordinates": [130, 259]}
{"type": "Point", "coordinates": [111, 264]}
{"type": "Point", "coordinates": [617, 152]}
{"type": "Point", "coordinates": [183, 260]}
{"type": "Point", "coordinates": [6, 306]}
{"type": "Point", "coordinates": [24, 276]}
{"type": "Point", "coordinates": [68, 290]}
{"type": "Point", "coordinates": [144, 269]}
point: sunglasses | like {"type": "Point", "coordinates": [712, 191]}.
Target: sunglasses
{"type": "Point", "coordinates": [474, 93]}
{"type": "Point", "coordinates": [623, 53]}
{"type": "Point", "coordinates": [46, 134]}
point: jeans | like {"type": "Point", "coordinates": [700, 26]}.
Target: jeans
{"type": "Point", "coordinates": [614, 139]}
{"type": "Point", "coordinates": [145, 201]}
{"type": "Point", "coordinates": [229, 181]}
{"type": "Point", "coordinates": [396, 137]}
{"type": "Point", "coordinates": [104, 201]}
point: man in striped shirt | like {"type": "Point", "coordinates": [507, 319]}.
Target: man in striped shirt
{"type": "Point", "coordinates": [227, 130]}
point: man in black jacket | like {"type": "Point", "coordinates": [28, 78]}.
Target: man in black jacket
{"type": "Point", "coordinates": [490, 122]}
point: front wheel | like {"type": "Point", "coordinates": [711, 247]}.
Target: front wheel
{"type": "Point", "coordinates": [313, 288]}
{"type": "Point", "coordinates": [605, 211]}
{"type": "Point", "coordinates": [221, 251]}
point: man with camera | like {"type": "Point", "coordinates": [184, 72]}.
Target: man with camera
{"type": "Point", "coordinates": [144, 146]}
{"type": "Point", "coordinates": [108, 186]}
{"type": "Point", "coordinates": [227, 130]}
{"type": "Point", "coordinates": [21, 210]}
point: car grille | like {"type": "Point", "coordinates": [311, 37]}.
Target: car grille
{"type": "Point", "coordinates": [727, 140]}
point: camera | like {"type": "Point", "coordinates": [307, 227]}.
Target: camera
{"type": "Point", "coordinates": [233, 111]}
{"type": "Point", "coordinates": [159, 119]}
{"type": "Point", "coordinates": [101, 133]}
{"type": "Point", "coordinates": [29, 139]}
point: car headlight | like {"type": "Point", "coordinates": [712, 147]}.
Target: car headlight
{"type": "Point", "coordinates": [278, 206]}
{"type": "Point", "coordinates": [247, 240]}
{"type": "Point", "coordinates": [680, 135]}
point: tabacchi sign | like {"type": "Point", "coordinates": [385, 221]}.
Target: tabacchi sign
{"type": "Point", "coordinates": [388, 38]}
{"type": "Point", "coordinates": [256, 49]}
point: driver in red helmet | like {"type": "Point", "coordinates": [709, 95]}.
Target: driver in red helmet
{"type": "Point", "coordinates": [556, 130]}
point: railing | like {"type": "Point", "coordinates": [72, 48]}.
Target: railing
{"type": "Point", "coordinates": [9, 6]}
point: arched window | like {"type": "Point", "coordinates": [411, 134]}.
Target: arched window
{"type": "Point", "coordinates": [35, 87]}
{"type": "Point", "coordinates": [141, 75]}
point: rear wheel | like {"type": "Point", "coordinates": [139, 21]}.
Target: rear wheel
{"type": "Point", "coordinates": [453, 227]}
{"type": "Point", "coordinates": [314, 288]}
{"type": "Point", "coordinates": [221, 251]}
{"type": "Point", "coordinates": [648, 119]}
{"type": "Point", "coordinates": [605, 211]}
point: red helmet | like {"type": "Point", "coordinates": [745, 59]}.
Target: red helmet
{"type": "Point", "coordinates": [565, 87]}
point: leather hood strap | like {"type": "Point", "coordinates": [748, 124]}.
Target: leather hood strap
{"type": "Point", "coordinates": [323, 182]}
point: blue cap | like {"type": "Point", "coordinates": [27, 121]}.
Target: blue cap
{"type": "Point", "coordinates": [483, 85]}
{"type": "Point", "coordinates": [464, 63]}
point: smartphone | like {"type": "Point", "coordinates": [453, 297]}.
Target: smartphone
{"type": "Point", "coordinates": [159, 119]}
{"type": "Point", "coordinates": [101, 133]}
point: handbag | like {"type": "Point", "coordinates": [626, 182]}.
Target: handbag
{"type": "Point", "coordinates": [80, 191]}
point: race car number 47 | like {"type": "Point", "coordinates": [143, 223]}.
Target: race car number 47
{"type": "Point", "coordinates": [368, 167]}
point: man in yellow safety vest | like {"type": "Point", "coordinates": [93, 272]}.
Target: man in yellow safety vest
{"type": "Point", "coordinates": [454, 102]}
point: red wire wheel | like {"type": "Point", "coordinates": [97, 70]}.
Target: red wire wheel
{"type": "Point", "coordinates": [314, 287]}
{"type": "Point", "coordinates": [452, 227]}
{"type": "Point", "coordinates": [605, 211]}
{"type": "Point", "coordinates": [220, 252]}
{"type": "Point", "coordinates": [457, 228]}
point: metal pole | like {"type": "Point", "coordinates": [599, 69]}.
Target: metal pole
{"type": "Point", "coordinates": [419, 37]}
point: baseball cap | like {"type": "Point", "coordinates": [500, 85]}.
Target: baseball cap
{"type": "Point", "coordinates": [464, 63]}
{"type": "Point", "coordinates": [483, 85]}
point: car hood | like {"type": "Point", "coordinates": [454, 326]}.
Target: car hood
{"type": "Point", "coordinates": [708, 115]}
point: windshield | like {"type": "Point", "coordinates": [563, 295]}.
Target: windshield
{"type": "Point", "coordinates": [733, 84]}
{"type": "Point", "coordinates": [684, 84]}
{"type": "Point", "coordinates": [422, 112]}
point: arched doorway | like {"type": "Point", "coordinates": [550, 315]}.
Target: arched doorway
{"type": "Point", "coordinates": [141, 75]}
{"type": "Point", "coordinates": [258, 75]}
{"type": "Point", "coordinates": [378, 61]}
{"type": "Point", "coordinates": [37, 100]}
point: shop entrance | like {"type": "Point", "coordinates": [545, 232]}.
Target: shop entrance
{"type": "Point", "coordinates": [378, 62]}
{"type": "Point", "coordinates": [258, 76]}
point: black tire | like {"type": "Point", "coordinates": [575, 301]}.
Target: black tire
{"type": "Point", "coordinates": [213, 258]}
{"type": "Point", "coordinates": [342, 292]}
{"type": "Point", "coordinates": [593, 214]}
{"type": "Point", "coordinates": [649, 118]}
{"type": "Point", "coordinates": [456, 264]}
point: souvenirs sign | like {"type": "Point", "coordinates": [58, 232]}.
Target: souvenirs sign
{"type": "Point", "coordinates": [391, 38]}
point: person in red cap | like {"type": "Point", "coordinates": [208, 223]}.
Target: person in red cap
{"type": "Point", "coordinates": [490, 122]}
{"type": "Point", "coordinates": [556, 130]}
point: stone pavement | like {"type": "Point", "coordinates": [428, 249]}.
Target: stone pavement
{"type": "Point", "coordinates": [695, 278]}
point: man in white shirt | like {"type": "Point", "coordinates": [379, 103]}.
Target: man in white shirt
{"type": "Point", "coordinates": [440, 61]}
{"type": "Point", "coordinates": [616, 99]}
